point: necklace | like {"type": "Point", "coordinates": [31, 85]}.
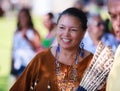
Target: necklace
{"type": "Point", "coordinates": [66, 79]}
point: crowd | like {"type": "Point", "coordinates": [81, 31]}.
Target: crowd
{"type": "Point", "coordinates": [58, 62]}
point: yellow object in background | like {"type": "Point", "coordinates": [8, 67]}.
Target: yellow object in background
{"type": "Point", "coordinates": [113, 82]}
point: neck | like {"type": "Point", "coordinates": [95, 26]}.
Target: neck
{"type": "Point", "coordinates": [67, 56]}
{"type": "Point", "coordinates": [95, 40]}
{"type": "Point", "coordinates": [24, 28]}
{"type": "Point", "coordinates": [68, 52]}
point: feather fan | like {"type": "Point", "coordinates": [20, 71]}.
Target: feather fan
{"type": "Point", "coordinates": [96, 74]}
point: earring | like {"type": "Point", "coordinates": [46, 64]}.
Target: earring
{"type": "Point", "coordinates": [58, 48]}
{"type": "Point", "coordinates": [82, 49]}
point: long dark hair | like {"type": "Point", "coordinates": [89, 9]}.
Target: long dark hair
{"type": "Point", "coordinates": [30, 23]}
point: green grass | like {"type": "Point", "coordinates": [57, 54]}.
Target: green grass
{"type": "Point", "coordinates": [7, 28]}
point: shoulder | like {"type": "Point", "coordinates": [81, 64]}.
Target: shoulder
{"type": "Point", "coordinates": [44, 55]}
{"type": "Point", "coordinates": [85, 61]}
{"type": "Point", "coordinates": [17, 36]}
{"type": "Point", "coordinates": [87, 57]}
{"type": "Point", "coordinates": [109, 39]}
{"type": "Point", "coordinates": [87, 54]}
{"type": "Point", "coordinates": [45, 52]}
{"type": "Point", "coordinates": [42, 58]}
{"type": "Point", "coordinates": [109, 36]}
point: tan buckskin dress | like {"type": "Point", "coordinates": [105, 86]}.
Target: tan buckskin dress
{"type": "Point", "coordinates": [41, 71]}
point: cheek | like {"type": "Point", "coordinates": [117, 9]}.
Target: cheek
{"type": "Point", "coordinates": [58, 33]}
{"type": "Point", "coordinates": [78, 37]}
{"type": "Point", "coordinates": [115, 27]}
{"type": "Point", "coordinates": [23, 21]}
{"type": "Point", "coordinates": [94, 30]}
{"type": "Point", "coordinates": [114, 24]}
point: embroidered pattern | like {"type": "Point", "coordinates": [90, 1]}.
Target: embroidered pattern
{"type": "Point", "coordinates": [67, 78]}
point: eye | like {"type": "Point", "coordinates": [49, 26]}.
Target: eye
{"type": "Point", "coordinates": [113, 16]}
{"type": "Point", "coordinates": [73, 29]}
{"type": "Point", "coordinates": [61, 27]}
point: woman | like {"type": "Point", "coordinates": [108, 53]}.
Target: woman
{"type": "Point", "coordinates": [59, 68]}
{"type": "Point", "coordinates": [26, 42]}
{"type": "Point", "coordinates": [50, 25]}
{"type": "Point", "coordinates": [96, 33]}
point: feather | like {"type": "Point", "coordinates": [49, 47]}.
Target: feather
{"type": "Point", "coordinates": [97, 72]}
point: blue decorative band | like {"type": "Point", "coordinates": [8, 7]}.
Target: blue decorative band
{"type": "Point", "coordinates": [80, 88]}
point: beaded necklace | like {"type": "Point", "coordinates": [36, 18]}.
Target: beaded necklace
{"type": "Point", "coordinates": [66, 80]}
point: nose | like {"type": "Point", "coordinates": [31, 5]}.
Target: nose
{"type": "Point", "coordinates": [67, 32]}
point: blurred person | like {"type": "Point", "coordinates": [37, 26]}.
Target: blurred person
{"type": "Point", "coordinates": [26, 43]}
{"type": "Point", "coordinates": [98, 6]}
{"type": "Point", "coordinates": [113, 83]}
{"type": "Point", "coordinates": [15, 5]}
{"type": "Point", "coordinates": [1, 11]}
{"type": "Point", "coordinates": [50, 25]}
{"type": "Point", "coordinates": [96, 33]}
{"type": "Point", "coordinates": [91, 7]}
{"type": "Point", "coordinates": [59, 68]}
{"type": "Point", "coordinates": [108, 26]}
{"type": "Point", "coordinates": [114, 14]}
{"type": "Point", "coordinates": [79, 4]}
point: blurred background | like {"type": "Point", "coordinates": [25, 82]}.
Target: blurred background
{"type": "Point", "coordinates": [9, 10]}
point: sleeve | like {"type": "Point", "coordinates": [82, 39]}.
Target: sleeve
{"type": "Point", "coordinates": [103, 88]}
{"type": "Point", "coordinates": [26, 79]}
{"type": "Point", "coordinates": [113, 82]}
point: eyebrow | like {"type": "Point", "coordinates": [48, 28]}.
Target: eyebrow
{"type": "Point", "coordinates": [71, 26]}
{"type": "Point", "coordinates": [61, 24]}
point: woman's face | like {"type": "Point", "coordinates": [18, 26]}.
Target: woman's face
{"type": "Point", "coordinates": [97, 27]}
{"type": "Point", "coordinates": [69, 32]}
{"type": "Point", "coordinates": [23, 18]}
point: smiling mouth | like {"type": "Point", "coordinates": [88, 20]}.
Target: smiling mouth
{"type": "Point", "coordinates": [66, 40]}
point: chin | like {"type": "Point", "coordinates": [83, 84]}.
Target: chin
{"type": "Point", "coordinates": [65, 47]}
{"type": "Point", "coordinates": [68, 47]}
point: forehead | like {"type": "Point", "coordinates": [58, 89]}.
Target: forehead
{"type": "Point", "coordinates": [69, 18]}
{"type": "Point", "coordinates": [23, 14]}
{"type": "Point", "coordinates": [69, 21]}
{"type": "Point", "coordinates": [114, 6]}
